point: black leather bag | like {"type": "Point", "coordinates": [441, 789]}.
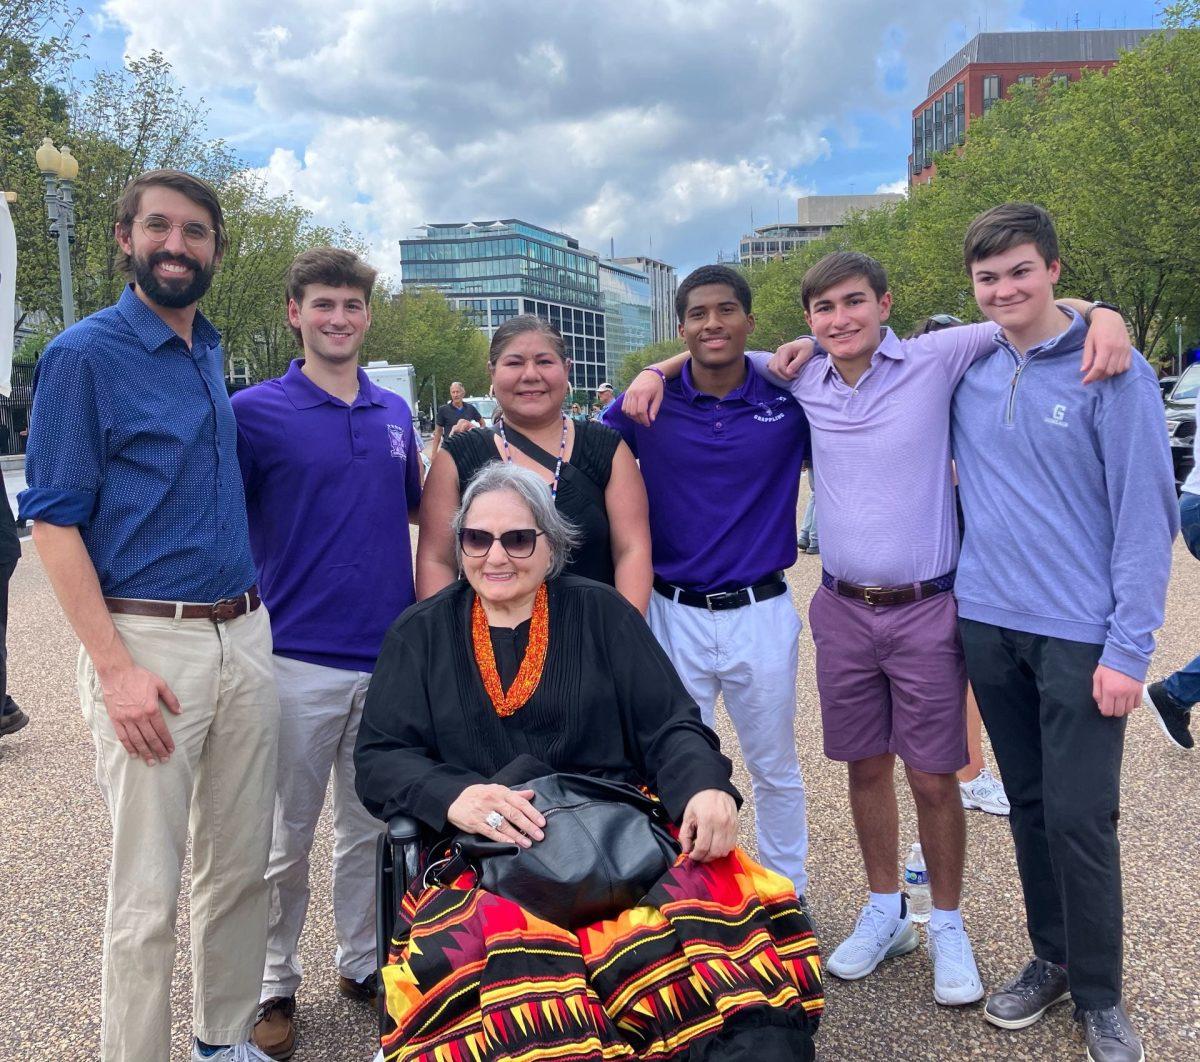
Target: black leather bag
{"type": "Point", "coordinates": [605, 844]}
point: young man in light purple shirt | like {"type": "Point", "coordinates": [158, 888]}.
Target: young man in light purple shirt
{"type": "Point", "coordinates": [332, 476]}
{"type": "Point", "coordinates": [889, 662]}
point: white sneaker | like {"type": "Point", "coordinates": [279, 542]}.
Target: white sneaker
{"type": "Point", "coordinates": [877, 936]}
{"type": "Point", "coordinates": [984, 793]}
{"type": "Point", "coordinates": [243, 1052]}
{"type": "Point", "coordinates": [955, 975]}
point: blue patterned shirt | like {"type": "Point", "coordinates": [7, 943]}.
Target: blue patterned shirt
{"type": "Point", "coordinates": [133, 441]}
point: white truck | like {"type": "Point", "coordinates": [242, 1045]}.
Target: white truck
{"type": "Point", "coordinates": [401, 379]}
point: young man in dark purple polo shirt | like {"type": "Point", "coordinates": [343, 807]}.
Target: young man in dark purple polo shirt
{"type": "Point", "coordinates": [722, 471]}
{"type": "Point", "coordinates": [332, 476]}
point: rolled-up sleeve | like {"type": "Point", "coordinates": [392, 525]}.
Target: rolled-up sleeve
{"type": "Point", "coordinates": [64, 461]}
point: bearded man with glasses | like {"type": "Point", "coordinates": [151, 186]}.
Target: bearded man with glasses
{"type": "Point", "coordinates": [140, 519]}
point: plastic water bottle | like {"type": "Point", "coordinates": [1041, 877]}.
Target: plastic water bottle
{"type": "Point", "coordinates": [916, 884]}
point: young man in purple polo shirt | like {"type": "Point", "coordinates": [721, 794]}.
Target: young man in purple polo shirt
{"type": "Point", "coordinates": [1069, 504]}
{"type": "Point", "coordinates": [889, 663]}
{"type": "Point", "coordinates": [722, 472]}
{"type": "Point", "coordinates": [332, 476]}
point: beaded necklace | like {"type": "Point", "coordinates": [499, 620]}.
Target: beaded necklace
{"type": "Point", "coordinates": [562, 450]}
{"type": "Point", "coordinates": [530, 672]}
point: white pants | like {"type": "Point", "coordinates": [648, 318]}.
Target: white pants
{"type": "Point", "coordinates": [320, 709]}
{"type": "Point", "coordinates": [750, 655]}
{"type": "Point", "coordinates": [222, 775]}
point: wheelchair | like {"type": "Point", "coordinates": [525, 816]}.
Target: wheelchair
{"type": "Point", "coordinates": [397, 864]}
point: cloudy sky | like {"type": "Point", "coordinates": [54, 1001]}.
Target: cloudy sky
{"type": "Point", "coordinates": [661, 125]}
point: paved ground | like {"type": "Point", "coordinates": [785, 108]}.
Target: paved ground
{"type": "Point", "coordinates": [54, 853]}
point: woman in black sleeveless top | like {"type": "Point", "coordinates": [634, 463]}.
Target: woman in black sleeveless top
{"type": "Point", "coordinates": [587, 466]}
{"type": "Point", "coordinates": [581, 487]}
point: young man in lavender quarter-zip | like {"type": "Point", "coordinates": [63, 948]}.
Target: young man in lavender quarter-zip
{"type": "Point", "coordinates": [1069, 504]}
{"type": "Point", "coordinates": [332, 475]}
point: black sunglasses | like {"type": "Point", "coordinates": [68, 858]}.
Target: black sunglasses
{"type": "Point", "coordinates": [519, 543]}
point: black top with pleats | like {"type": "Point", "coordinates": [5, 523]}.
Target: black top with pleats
{"type": "Point", "coordinates": [609, 703]}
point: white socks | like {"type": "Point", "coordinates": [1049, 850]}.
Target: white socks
{"type": "Point", "coordinates": [888, 902]}
{"type": "Point", "coordinates": [939, 918]}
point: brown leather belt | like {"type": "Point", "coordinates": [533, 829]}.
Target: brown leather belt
{"type": "Point", "coordinates": [889, 595]}
{"type": "Point", "coordinates": [218, 612]}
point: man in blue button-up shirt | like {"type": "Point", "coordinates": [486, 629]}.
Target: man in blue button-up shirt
{"type": "Point", "coordinates": [136, 497]}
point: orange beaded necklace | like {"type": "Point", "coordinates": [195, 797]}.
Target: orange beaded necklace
{"type": "Point", "coordinates": [530, 672]}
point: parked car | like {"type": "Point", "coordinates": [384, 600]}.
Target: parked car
{"type": "Point", "coordinates": [1181, 421]}
{"type": "Point", "coordinates": [1167, 385]}
{"type": "Point", "coordinates": [487, 408]}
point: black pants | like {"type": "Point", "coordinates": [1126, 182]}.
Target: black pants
{"type": "Point", "coordinates": [1061, 762]}
{"type": "Point", "coordinates": [7, 567]}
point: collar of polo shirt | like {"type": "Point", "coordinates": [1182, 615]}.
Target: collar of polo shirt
{"type": "Point", "coordinates": [889, 347]}
{"type": "Point", "coordinates": [304, 394]}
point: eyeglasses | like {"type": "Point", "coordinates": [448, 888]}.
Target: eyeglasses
{"type": "Point", "coordinates": [518, 544]}
{"type": "Point", "coordinates": [158, 229]}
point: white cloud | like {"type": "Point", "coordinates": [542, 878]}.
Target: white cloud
{"type": "Point", "coordinates": [900, 186]}
{"type": "Point", "coordinates": [607, 120]}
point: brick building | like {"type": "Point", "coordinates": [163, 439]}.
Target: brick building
{"type": "Point", "coordinates": [988, 65]}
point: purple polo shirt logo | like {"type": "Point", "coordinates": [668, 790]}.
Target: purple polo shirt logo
{"type": "Point", "coordinates": [766, 415]}
{"type": "Point", "coordinates": [396, 447]}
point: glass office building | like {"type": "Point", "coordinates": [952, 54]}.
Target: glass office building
{"type": "Point", "coordinates": [625, 295]}
{"type": "Point", "coordinates": [494, 270]}
{"type": "Point", "coordinates": [663, 322]}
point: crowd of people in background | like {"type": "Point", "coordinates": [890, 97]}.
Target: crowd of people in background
{"type": "Point", "coordinates": [254, 626]}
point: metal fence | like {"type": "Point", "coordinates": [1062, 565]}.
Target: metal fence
{"type": "Point", "coordinates": [14, 412]}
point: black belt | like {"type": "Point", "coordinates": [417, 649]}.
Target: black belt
{"type": "Point", "coordinates": [726, 599]}
{"type": "Point", "coordinates": [889, 595]}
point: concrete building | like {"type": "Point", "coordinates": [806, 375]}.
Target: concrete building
{"type": "Point", "coordinates": [663, 281]}
{"type": "Point", "coordinates": [987, 67]}
{"type": "Point", "coordinates": [625, 294]}
{"type": "Point", "coordinates": [816, 216]}
{"type": "Point", "coordinates": [494, 270]}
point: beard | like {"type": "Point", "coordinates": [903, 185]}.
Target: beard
{"type": "Point", "coordinates": [172, 294]}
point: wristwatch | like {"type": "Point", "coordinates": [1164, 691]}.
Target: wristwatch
{"type": "Point", "coordinates": [1100, 305]}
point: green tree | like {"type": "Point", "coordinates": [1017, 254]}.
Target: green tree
{"type": "Point", "coordinates": [125, 122]}
{"type": "Point", "coordinates": [636, 360]}
{"type": "Point", "coordinates": [420, 327]}
{"type": "Point", "coordinates": [1114, 157]}
{"type": "Point", "coordinates": [36, 50]}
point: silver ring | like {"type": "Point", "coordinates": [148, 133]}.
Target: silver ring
{"type": "Point", "coordinates": [495, 820]}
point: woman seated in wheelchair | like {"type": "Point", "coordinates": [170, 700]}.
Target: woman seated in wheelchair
{"type": "Point", "coordinates": [522, 717]}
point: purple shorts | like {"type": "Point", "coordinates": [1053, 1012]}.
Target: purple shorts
{"type": "Point", "coordinates": [891, 679]}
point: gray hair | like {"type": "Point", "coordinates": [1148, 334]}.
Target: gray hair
{"type": "Point", "coordinates": [562, 536]}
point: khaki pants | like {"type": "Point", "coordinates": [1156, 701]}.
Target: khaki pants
{"type": "Point", "coordinates": [220, 783]}
{"type": "Point", "coordinates": [320, 709]}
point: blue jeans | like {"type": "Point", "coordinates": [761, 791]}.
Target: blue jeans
{"type": "Point", "coordinates": [1184, 685]}
{"type": "Point", "coordinates": [809, 525]}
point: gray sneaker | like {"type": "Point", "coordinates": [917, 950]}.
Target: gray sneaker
{"type": "Point", "coordinates": [1110, 1036]}
{"type": "Point", "coordinates": [1024, 999]}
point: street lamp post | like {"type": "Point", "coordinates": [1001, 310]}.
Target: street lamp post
{"type": "Point", "coordinates": [59, 170]}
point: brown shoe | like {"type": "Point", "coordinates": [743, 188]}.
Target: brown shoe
{"type": "Point", "coordinates": [275, 1027]}
{"type": "Point", "coordinates": [364, 991]}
